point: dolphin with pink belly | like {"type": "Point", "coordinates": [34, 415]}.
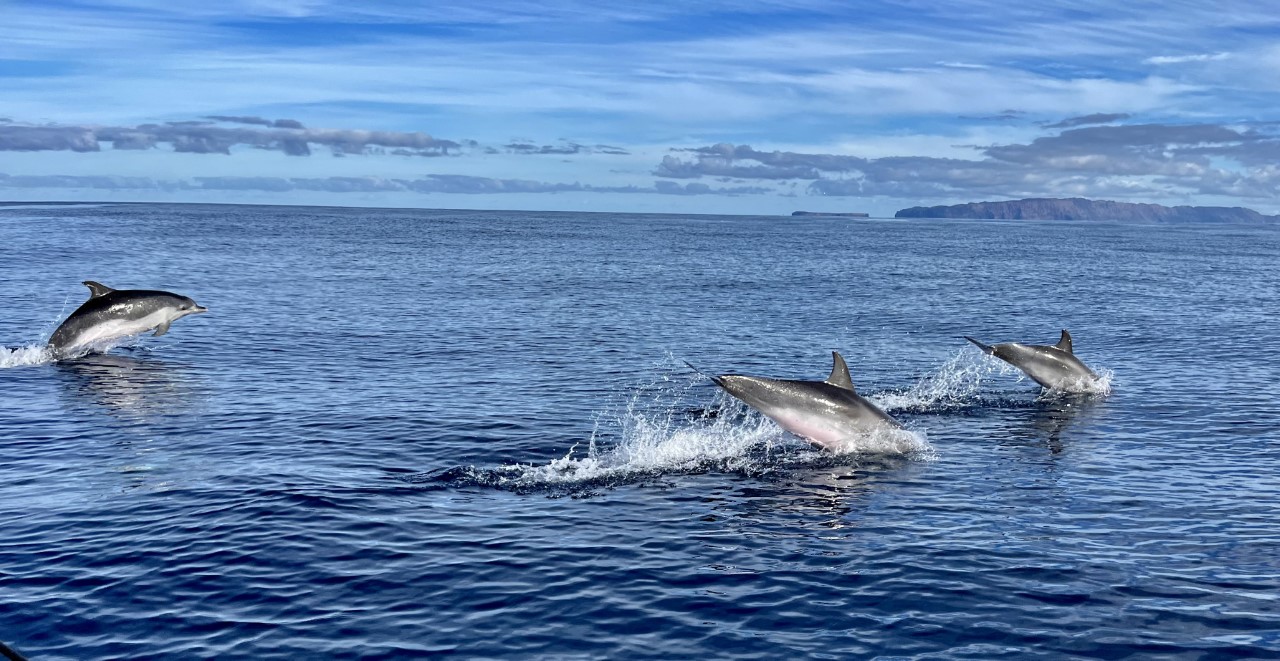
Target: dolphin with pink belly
{"type": "Point", "coordinates": [111, 314]}
{"type": "Point", "coordinates": [827, 413]}
{"type": "Point", "coordinates": [1053, 366]}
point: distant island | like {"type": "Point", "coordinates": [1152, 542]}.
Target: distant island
{"type": "Point", "coordinates": [1078, 208]}
{"type": "Point", "coordinates": [845, 214]}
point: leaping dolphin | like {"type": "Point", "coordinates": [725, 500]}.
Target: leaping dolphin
{"type": "Point", "coordinates": [111, 314]}
{"type": "Point", "coordinates": [1054, 367]}
{"type": "Point", "coordinates": [829, 414]}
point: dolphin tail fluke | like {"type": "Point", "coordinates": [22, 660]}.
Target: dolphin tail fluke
{"type": "Point", "coordinates": [986, 348]}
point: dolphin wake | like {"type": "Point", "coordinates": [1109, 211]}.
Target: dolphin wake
{"type": "Point", "coordinates": [658, 433]}
{"type": "Point", "coordinates": [654, 432]}
{"type": "Point", "coordinates": [25, 356]}
{"type": "Point", "coordinates": [957, 384]}
{"type": "Point", "coordinates": [961, 382]}
{"type": "Point", "coordinates": [31, 355]}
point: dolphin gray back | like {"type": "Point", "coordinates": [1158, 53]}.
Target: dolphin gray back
{"type": "Point", "coordinates": [1064, 345]}
{"type": "Point", "coordinates": [131, 303]}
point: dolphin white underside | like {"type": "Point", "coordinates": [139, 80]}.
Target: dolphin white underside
{"type": "Point", "coordinates": [115, 329]}
{"type": "Point", "coordinates": [825, 431]}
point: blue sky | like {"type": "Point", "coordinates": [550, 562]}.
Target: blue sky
{"type": "Point", "coordinates": [704, 107]}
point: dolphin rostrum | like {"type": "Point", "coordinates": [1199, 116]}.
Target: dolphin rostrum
{"type": "Point", "coordinates": [1054, 367]}
{"type": "Point", "coordinates": [828, 413]}
{"type": "Point", "coordinates": [111, 314]}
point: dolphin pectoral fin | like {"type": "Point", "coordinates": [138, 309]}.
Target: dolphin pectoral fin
{"type": "Point", "coordinates": [97, 289]}
{"type": "Point", "coordinates": [839, 372]}
{"type": "Point", "coordinates": [1064, 342]}
{"type": "Point", "coordinates": [161, 329]}
{"type": "Point", "coordinates": [986, 348]}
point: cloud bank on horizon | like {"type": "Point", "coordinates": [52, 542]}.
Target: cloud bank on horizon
{"type": "Point", "coordinates": [734, 107]}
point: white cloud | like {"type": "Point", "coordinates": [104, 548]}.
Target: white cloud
{"type": "Point", "coordinates": [962, 65]}
{"type": "Point", "coordinates": [878, 81]}
{"type": "Point", "coordinates": [708, 82]}
{"type": "Point", "coordinates": [1181, 59]}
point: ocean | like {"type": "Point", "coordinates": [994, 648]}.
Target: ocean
{"type": "Point", "coordinates": [418, 433]}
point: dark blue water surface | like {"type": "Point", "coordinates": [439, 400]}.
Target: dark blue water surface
{"type": "Point", "coordinates": [405, 433]}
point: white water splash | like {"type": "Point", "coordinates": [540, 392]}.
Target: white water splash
{"type": "Point", "coordinates": [957, 383]}
{"type": "Point", "coordinates": [649, 447]}
{"type": "Point", "coordinates": [25, 356]}
{"type": "Point", "coordinates": [38, 354]}
{"type": "Point", "coordinates": [1099, 387]}
{"type": "Point", "coordinates": [30, 355]}
{"type": "Point", "coordinates": [889, 441]}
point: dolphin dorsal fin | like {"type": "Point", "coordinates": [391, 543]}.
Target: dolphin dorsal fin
{"type": "Point", "coordinates": [839, 372]}
{"type": "Point", "coordinates": [1065, 342]}
{"type": "Point", "coordinates": [97, 289]}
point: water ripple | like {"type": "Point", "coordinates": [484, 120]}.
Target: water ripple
{"type": "Point", "coordinates": [415, 433]}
